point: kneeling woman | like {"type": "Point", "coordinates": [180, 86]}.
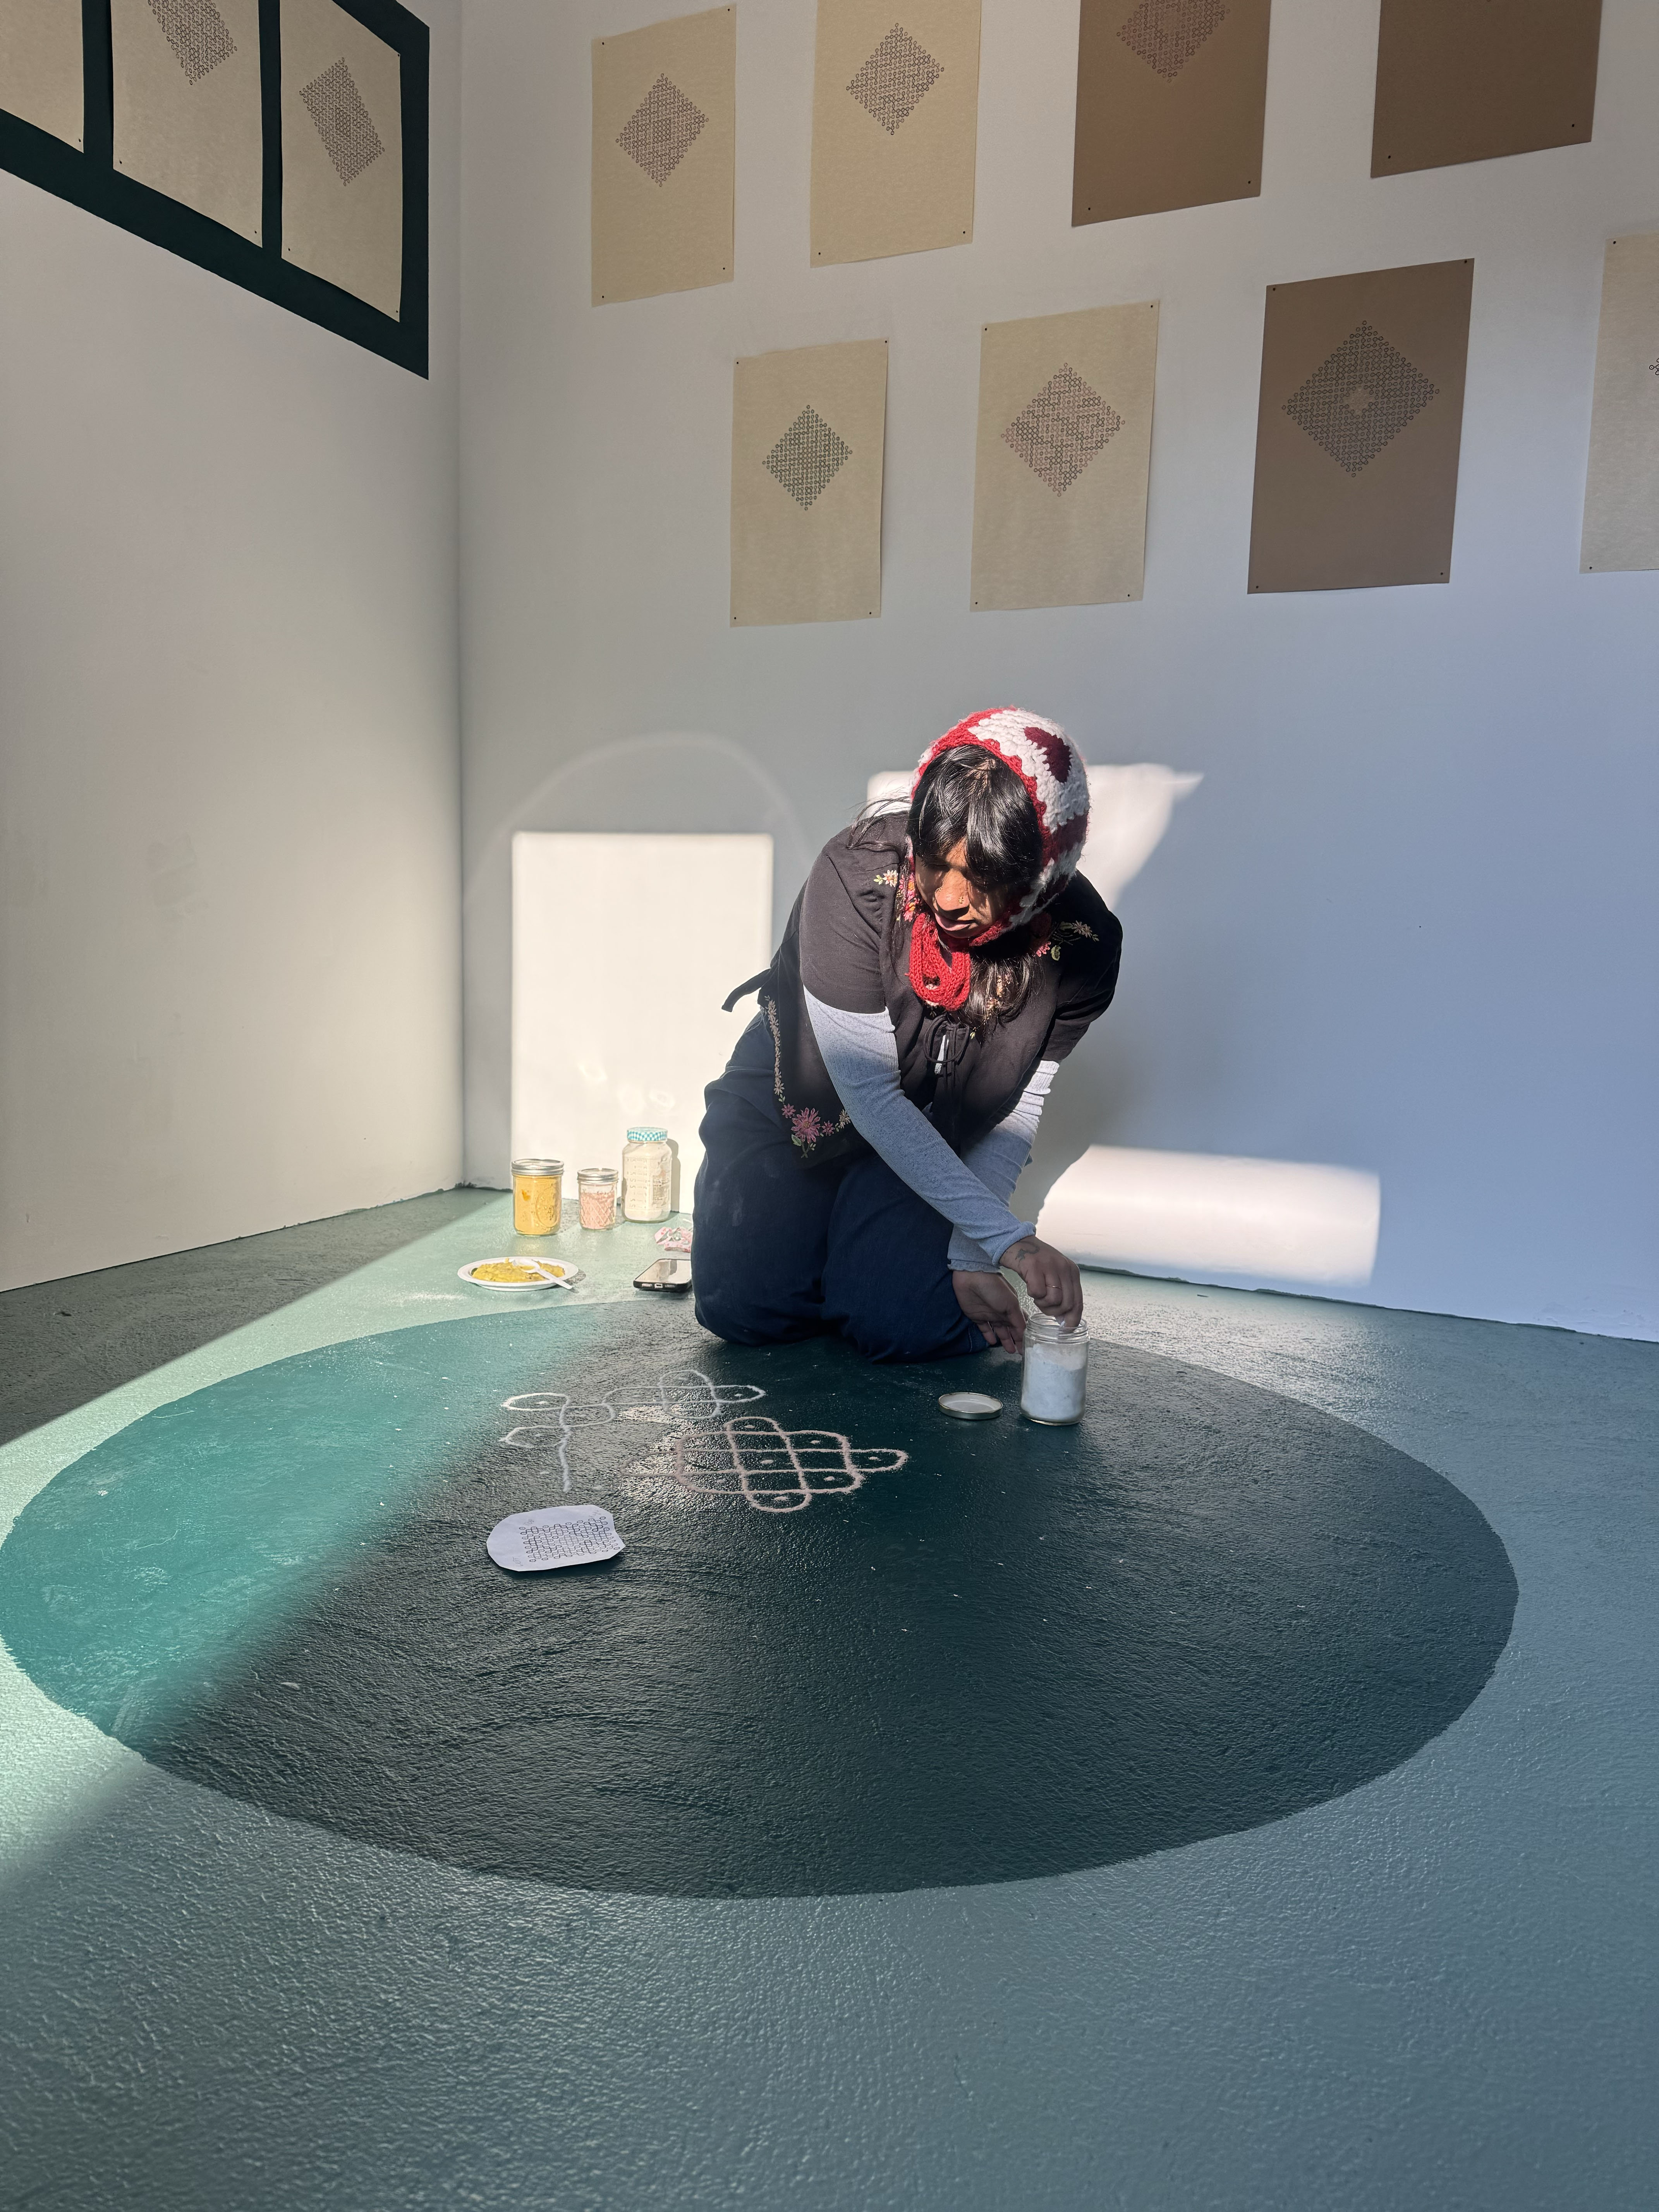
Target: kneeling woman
{"type": "Point", "coordinates": [862, 1145]}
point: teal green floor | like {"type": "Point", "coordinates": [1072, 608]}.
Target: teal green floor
{"type": "Point", "coordinates": [1436, 1991]}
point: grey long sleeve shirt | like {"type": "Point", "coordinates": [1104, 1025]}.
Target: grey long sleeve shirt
{"type": "Point", "coordinates": [861, 1054]}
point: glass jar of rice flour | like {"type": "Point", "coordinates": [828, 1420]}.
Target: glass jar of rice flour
{"type": "Point", "coordinates": [647, 1175]}
{"type": "Point", "coordinates": [1056, 1372]}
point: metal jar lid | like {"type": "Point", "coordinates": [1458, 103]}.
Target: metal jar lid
{"type": "Point", "coordinates": [538, 1167]}
{"type": "Point", "coordinates": [970, 1405]}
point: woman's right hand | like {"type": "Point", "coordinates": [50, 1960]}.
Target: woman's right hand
{"type": "Point", "coordinates": [992, 1309]}
{"type": "Point", "coordinates": [1056, 1285]}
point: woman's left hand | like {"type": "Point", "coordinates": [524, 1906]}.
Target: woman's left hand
{"type": "Point", "coordinates": [1053, 1279]}
{"type": "Point", "coordinates": [992, 1307]}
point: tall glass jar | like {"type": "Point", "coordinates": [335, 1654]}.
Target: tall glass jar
{"type": "Point", "coordinates": [1056, 1372]}
{"type": "Point", "coordinates": [647, 1175]}
{"type": "Point", "coordinates": [538, 1196]}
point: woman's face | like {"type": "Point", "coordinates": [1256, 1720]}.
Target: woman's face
{"type": "Point", "coordinates": [959, 908]}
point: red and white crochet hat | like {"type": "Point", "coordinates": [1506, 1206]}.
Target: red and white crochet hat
{"type": "Point", "coordinates": [1050, 767]}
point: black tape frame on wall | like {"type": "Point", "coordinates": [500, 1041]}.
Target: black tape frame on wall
{"type": "Point", "coordinates": [90, 179]}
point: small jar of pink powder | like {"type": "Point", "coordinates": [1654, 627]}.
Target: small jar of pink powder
{"type": "Point", "coordinates": [596, 1197]}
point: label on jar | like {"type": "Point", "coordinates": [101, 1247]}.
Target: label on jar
{"type": "Point", "coordinates": [645, 1184]}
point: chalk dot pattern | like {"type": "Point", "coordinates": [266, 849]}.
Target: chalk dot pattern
{"type": "Point", "coordinates": [662, 130]}
{"type": "Point", "coordinates": [808, 457]}
{"type": "Point", "coordinates": [896, 79]}
{"type": "Point", "coordinates": [1063, 429]}
{"type": "Point", "coordinates": [198, 33]}
{"type": "Point", "coordinates": [343, 122]}
{"type": "Point", "coordinates": [1165, 34]}
{"type": "Point", "coordinates": [1360, 399]}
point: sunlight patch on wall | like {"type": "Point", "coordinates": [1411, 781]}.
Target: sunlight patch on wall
{"type": "Point", "coordinates": [624, 948]}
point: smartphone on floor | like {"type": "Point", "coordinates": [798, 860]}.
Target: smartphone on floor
{"type": "Point", "coordinates": [674, 1274]}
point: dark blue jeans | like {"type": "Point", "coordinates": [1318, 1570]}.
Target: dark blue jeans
{"type": "Point", "coordinates": [783, 1251]}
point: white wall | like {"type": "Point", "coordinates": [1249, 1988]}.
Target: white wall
{"type": "Point", "coordinates": [1406, 924]}
{"type": "Point", "coordinates": [228, 740]}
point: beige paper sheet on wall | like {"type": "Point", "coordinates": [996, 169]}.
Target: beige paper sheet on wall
{"type": "Point", "coordinates": [1065, 445]}
{"type": "Point", "coordinates": [40, 64]}
{"type": "Point", "coordinates": [1621, 493]}
{"type": "Point", "coordinates": [665, 157]}
{"type": "Point", "coordinates": [895, 127]}
{"type": "Point", "coordinates": [1360, 420]}
{"type": "Point", "coordinates": [808, 428]}
{"type": "Point", "coordinates": [1171, 99]}
{"type": "Point", "coordinates": [186, 87]}
{"type": "Point", "coordinates": [1470, 80]}
{"type": "Point", "coordinates": [343, 153]}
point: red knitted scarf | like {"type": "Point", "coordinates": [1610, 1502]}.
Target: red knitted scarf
{"type": "Point", "coordinates": [939, 974]}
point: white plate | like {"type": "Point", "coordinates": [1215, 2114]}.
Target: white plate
{"type": "Point", "coordinates": [550, 1274]}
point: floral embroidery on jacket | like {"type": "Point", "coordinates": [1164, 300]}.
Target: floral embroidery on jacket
{"type": "Point", "coordinates": [888, 876]}
{"type": "Point", "coordinates": [1054, 942]}
{"type": "Point", "coordinates": [807, 1127]}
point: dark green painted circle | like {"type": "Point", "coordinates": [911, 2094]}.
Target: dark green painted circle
{"type": "Point", "coordinates": [1028, 1650]}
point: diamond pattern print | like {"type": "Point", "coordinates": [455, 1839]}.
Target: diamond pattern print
{"type": "Point", "coordinates": [1360, 399]}
{"type": "Point", "coordinates": [343, 123]}
{"type": "Point", "coordinates": [807, 456]}
{"type": "Point", "coordinates": [198, 33]}
{"type": "Point", "coordinates": [1062, 430]}
{"type": "Point", "coordinates": [1167, 34]}
{"type": "Point", "coordinates": [662, 130]}
{"type": "Point", "coordinates": [896, 79]}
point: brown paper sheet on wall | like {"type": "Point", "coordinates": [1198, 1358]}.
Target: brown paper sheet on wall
{"type": "Point", "coordinates": [1361, 418]}
{"type": "Point", "coordinates": [1065, 443]}
{"type": "Point", "coordinates": [1170, 98]}
{"type": "Point", "coordinates": [343, 153]}
{"type": "Point", "coordinates": [1621, 493]}
{"type": "Point", "coordinates": [186, 102]}
{"type": "Point", "coordinates": [808, 428]}
{"type": "Point", "coordinates": [1469, 80]}
{"type": "Point", "coordinates": [40, 65]}
{"type": "Point", "coordinates": [895, 127]}
{"type": "Point", "coordinates": [665, 157]}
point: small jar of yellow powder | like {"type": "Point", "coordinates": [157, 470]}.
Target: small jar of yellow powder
{"type": "Point", "coordinates": [538, 1192]}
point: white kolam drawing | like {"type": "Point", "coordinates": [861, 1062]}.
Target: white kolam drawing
{"type": "Point", "coordinates": [706, 1455]}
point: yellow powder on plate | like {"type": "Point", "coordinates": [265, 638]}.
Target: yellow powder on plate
{"type": "Point", "coordinates": [509, 1271]}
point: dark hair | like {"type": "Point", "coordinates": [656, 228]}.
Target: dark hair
{"type": "Point", "coordinates": [970, 797]}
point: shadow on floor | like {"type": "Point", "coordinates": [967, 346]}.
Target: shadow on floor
{"type": "Point", "coordinates": [64, 1343]}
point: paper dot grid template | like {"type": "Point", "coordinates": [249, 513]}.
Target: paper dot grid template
{"type": "Point", "coordinates": [1062, 430]}
{"type": "Point", "coordinates": [896, 79]}
{"type": "Point", "coordinates": [1165, 34]}
{"type": "Point", "coordinates": [662, 130]}
{"type": "Point", "coordinates": [808, 456]}
{"type": "Point", "coordinates": [1360, 399]}
{"type": "Point", "coordinates": [198, 33]}
{"type": "Point", "coordinates": [551, 1543]}
{"type": "Point", "coordinates": [343, 123]}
